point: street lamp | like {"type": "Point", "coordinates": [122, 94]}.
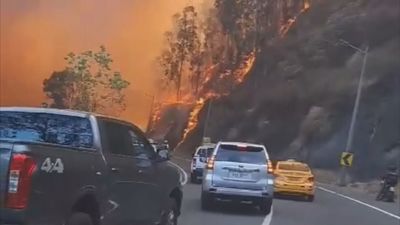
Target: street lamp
{"type": "Point", "coordinates": [350, 137]}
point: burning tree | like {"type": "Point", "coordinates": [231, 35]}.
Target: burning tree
{"type": "Point", "coordinates": [207, 57]}
{"type": "Point", "coordinates": [87, 83]}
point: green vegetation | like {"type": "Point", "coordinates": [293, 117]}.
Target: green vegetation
{"type": "Point", "coordinates": [87, 83]}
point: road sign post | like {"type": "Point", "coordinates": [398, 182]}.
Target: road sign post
{"type": "Point", "coordinates": [206, 140]}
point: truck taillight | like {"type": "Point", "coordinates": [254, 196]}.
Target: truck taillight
{"type": "Point", "coordinates": [210, 163]}
{"type": "Point", "coordinates": [19, 181]}
{"type": "Point", "coordinates": [270, 168]}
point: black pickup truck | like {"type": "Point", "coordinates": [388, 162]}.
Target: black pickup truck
{"type": "Point", "coordinates": [66, 167]}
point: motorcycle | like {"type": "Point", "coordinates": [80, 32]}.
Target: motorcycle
{"type": "Point", "coordinates": [387, 193]}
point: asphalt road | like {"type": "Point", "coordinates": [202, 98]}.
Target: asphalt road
{"type": "Point", "coordinates": [330, 207]}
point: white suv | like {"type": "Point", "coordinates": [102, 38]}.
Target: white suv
{"type": "Point", "coordinates": [238, 172]}
{"type": "Point", "coordinates": [199, 162]}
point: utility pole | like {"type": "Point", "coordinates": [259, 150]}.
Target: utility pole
{"type": "Point", "coordinates": [350, 137]}
{"type": "Point", "coordinates": [150, 119]}
{"type": "Point", "coordinates": [207, 117]}
{"type": "Point", "coordinates": [397, 92]}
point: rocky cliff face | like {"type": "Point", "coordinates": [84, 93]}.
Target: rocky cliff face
{"type": "Point", "coordinates": [300, 93]}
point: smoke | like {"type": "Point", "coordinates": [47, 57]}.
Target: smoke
{"type": "Point", "coordinates": [36, 35]}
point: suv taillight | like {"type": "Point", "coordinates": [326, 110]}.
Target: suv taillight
{"type": "Point", "coordinates": [19, 181]}
{"type": "Point", "coordinates": [210, 163]}
{"type": "Point", "coordinates": [270, 168]}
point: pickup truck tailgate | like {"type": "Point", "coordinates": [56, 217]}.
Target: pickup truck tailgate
{"type": "Point", "coordinates": [5, 156]}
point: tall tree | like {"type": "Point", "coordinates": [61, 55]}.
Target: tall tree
{"type": "Point", "coordinates": [87, 83]}
{"type": "Point", "coordinates": [181, 45]}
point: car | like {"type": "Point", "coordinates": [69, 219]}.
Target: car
{"type": "Point", "coordinates": [75, 168]}
{"type": "Point", "coordinates": [199, 160]}
{"type": "Point", "coordinates": [294, 179]}
{"type": "Point", "coordinates": [238, 173]}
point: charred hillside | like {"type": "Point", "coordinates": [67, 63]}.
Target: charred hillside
{"type": "Point", "coordinates": [299, 94]}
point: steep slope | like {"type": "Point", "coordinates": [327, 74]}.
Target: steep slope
{"type": "Point", "coordinates": [299, 96]}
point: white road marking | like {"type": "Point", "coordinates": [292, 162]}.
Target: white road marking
{"type": "Point", "coordinates": [184, 176]}
{"type": "Point", "coordinates": [268, 218]}
{"type": "Point", "coordinates": [360, 202]}
{"type": "Point", "coordinates": [114, 207]}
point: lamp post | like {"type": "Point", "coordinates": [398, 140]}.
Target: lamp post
{"type": "Point", "coordinates": [350, 137]}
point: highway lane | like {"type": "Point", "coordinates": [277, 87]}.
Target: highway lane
{"type": "Point", "coordinates": [192, 213]}
{"type": "Point", "coordinates": [327, 209]}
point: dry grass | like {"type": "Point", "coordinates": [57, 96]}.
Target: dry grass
{"type": "Point", "coordinates": [325, 176]}
{"type": "Point", "coordinates": [331, 177]}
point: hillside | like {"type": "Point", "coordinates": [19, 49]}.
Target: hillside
{"type": "Point", "coordinates": [299, 94]}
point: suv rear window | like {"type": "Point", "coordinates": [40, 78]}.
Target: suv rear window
{"type": "Point", "coordinates": [205, 152]}
{"type": "Point", "coordinates": [46, 128]}
{"type": "Point", "coordinates": [248, 154]}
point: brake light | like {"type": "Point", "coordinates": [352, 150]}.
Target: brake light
{"type": "Point", "coordinates": [270, 168]}
{"type": "Point", "coordinates": [310, 179]}
{"type": "Point", "coordinates": [210, 163]}
{"type": "Point", "coordinates": [19, 182]}
{"type": "Point", "coordinates": [242, 148]}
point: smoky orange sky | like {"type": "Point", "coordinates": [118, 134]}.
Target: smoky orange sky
{"type": "Point", "coordinates": [35, 35]}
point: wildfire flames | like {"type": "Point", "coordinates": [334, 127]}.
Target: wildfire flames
{"type": "Point", "coordinates": [193, 117]}
{"type": "Point", "coordinates": [289, 23]}
{"type": "Point", "coordinates": [239, 74]}
{"type": "Point", "coordinates": [211, 76]}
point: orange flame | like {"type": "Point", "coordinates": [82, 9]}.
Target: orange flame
{"type": "Point", "coordinates": [239, 74]}
{"type": "Point", "coordinates": [246, 67]}
{"type": "Point", "coordinates": [289, 23]}
{"type": "Point", "coordinates": [193, 117]}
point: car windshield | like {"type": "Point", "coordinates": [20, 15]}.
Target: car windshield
{"type": "Point", "coordinates": [46, 128]}
{"type": "Point", "coordinates": [293, 167]}
{"type": "Point", "coordinates": [205, 152]}
{"type": "Point", "coordinates": [246, 154]}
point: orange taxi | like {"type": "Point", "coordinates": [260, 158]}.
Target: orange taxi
{"type": "Point", "coordinates": [294, 178]}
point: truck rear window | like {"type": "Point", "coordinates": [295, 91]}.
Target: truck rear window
{"type": "Point", "coordinates": [248, 154]}
{"type": "Point", "coordinates": [205, 152]}
{"type": "Point", "coordinates": [46, 128]}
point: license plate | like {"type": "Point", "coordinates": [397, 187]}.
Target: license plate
{"type": "Point", "coordinates": [391, 189]}
{"type": "Point", "coordinates": [239, 175]}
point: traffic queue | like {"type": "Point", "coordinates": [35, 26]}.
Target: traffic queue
{"type": "Point", "coordinates": [243, 173]}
